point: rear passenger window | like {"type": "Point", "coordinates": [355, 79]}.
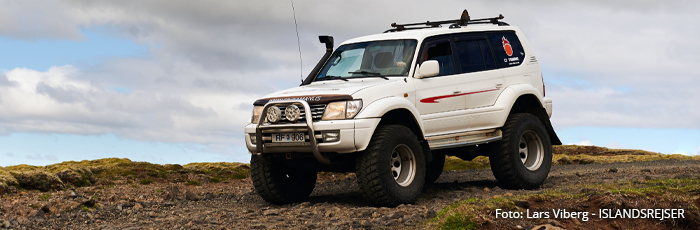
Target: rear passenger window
{"type": "Point", "coordinates": [474, 55]}
{"type": "Point", "coordinates": [506, 48]}
{"type": "Point", "coordinates": [441, 52]}
{"type": "Point", "coordinates": [470, 56]}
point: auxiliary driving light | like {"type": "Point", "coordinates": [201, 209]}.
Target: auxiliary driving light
{"type": "Point", "coordinates": [292, 113]}
{"type": "Point", "coordinates": [273, 114]}
{"type": "Point", "coordinates": [331, 136]}
{"type": "Point", "coordinates": [253, 138]}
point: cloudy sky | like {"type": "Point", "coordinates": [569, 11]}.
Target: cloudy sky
{"type": "Point", "coordinates": [173, 81]}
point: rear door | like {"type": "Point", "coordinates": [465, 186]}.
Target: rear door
{"type": "Point", "coordinates": [481, 80]}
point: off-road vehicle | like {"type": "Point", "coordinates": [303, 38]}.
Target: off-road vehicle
{"type": "Point", "coordinates": [390, 106]}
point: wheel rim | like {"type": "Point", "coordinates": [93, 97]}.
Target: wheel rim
{"type": "Point", "coordinates": [530, 150]}
{"type": "Point", "coordinates": [403, 165]}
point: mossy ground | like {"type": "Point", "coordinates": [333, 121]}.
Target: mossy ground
{"type": "Point", "coordinates": [576, 154]}
{"type": "Point", "coordinates": [660, 193]}
{"type": "Point", "coordinates": [107, 171]}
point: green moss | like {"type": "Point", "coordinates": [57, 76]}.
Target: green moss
{"type": "Point", "coordinates": [192, 182]}
{"type": "Point", "coordinates": [45, 197]}
{"type": "Point", "coordinates": [455, 163]}
{"type": "Point", "coordinates": [458, 221]}
{"type": "Point", "coordinates": [459, 214]}
{"type": "Point", "coordinates": [215, 180]}
{"type": "Point", "coordinates": [23, 167]}
{"type": "Point", "coordinates": [127, 173]}
{"type": "Point", "coordinates": [129, 181]}
{"type": "Point", "coordinates": [146, 181]}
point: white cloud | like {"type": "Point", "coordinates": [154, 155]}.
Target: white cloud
{"type": "Point", "coordinates": [698, 150]}
{"type": "Point", "coordinates": [209, 60]}
{"type": "Point", "coordinates": [60, 100]}
{"type": "Point", "coordinates": [613, 145]}
{"type": "Point", "coordinates": [583, 143]}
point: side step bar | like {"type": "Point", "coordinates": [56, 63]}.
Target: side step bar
{"type": "Point", "coordinates": [464, 139]}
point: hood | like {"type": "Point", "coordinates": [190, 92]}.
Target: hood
{"type": "Point", "coordinates": [327, 91]}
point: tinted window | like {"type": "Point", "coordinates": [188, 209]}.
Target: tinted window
{"type": "Point", "coordinates": [470, 58]}
{"type": "Point", "coordinates": [506, 48]}
{"type": "Point", "coordinates": [488, 55]}
{"type": "Point", "coordinates": [441, 52]}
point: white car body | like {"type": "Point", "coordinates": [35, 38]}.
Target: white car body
{"type": "Point", "coordinates": [446, 106]}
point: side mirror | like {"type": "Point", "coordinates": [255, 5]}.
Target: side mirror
{"type": "Point", "coordinates": [428, 69]}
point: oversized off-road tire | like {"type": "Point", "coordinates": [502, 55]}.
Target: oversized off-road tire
{"type": "Point", "coordinates": [522, 159]}
{"type": "Point", "coordinates": [278, 184]}
{"type": "Point", "coordinates": [433, 169]}
{"type": "Point", "coordinates": [392, 169]}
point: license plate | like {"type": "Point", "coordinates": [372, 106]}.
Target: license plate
{"type": "Point", "coordinates": [288, 137]}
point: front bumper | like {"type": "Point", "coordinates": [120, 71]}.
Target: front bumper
{"type": "Point", "coordinates": [354, 134]}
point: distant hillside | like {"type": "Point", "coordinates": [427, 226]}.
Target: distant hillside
{"type": "Point", "coordinates": [111, 171]}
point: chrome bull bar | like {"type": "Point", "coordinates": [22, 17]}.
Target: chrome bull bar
{"type": "Point", "coordinates": [309, 127]}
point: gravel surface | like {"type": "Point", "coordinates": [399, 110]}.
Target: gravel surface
{"type": "Point", "coordinates": [334, 204]}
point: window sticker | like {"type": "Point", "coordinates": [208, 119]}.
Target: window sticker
{"type": "Point", "coordinates": [506, 46]}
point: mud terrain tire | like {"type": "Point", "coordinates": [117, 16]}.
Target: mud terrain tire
{"type": "Point", "coordinates": [278, 184]}
{"type": "Point", "coordinates": [392, 169]}
{"type": "Point", "coordinates": [522, 159]}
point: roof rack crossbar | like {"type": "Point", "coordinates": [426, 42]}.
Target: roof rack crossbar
{"type": "Point", "coordinates": [462, 21]}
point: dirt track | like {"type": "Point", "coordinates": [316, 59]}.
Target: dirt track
{"type": "Point", "coordinates": [334, 204]}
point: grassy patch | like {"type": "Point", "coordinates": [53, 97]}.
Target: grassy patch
{"type": "Point", "coordinates": [45, 197]}
{"type": "Point", "coordinates": [575, 154]}
{"type": "Point", "coordinates": [215, 180]}
{"type": "Point", "coordinates": [146, 181]}
{"type": "Point", "coordinates": [455, 163]}
{"type": "Point", "coordinates": [192, 182]}
{"type": "Point", "coordinates": [472, 213]}
{"type": "Point", "coordinates": [458, 221]}
{"type": "Point", "coordinates": [127, 173]}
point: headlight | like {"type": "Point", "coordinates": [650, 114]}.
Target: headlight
{"type": "Point", "coordinates": [342, 110]}
{"type": "Point", "coordinates": [256, 113]}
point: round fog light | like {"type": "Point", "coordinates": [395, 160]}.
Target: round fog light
{"type": "Point", "coordinates": [292, 113]}
{"type": "Point", "coordinates": [273, 114]}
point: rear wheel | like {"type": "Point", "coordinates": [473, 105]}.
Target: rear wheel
{"type": "Point", "coordinates": [392, 169]}
{"type": "Point", "coordinates": [279, 184]}
{"type": "Point", "coordinates": [523, 158]}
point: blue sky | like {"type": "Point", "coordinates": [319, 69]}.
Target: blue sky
{"type": "Point", "coordinates": [89, 80]}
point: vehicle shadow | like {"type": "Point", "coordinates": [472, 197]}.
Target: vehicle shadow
{"type": "Point", "coordinates": [347, 192]}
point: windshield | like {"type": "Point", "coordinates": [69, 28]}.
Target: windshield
{"type": "Point", "coordinates": [370, 59]}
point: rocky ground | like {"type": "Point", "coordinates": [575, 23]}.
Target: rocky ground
{"type": "Point", "coordinates": [335, 203]}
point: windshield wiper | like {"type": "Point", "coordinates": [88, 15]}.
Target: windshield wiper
{"type": "Point", "coordinates": [373, 74]}
{"type": "Point", "coordinates": [330, 77]}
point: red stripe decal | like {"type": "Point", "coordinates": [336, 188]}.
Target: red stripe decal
{"type": "Point", "coordinates": [432, 99]}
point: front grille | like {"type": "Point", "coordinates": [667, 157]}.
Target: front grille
{"type": "Point", "coordinates": [316, 113]}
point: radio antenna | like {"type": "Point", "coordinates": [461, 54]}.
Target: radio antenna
{"type": "Point", "coordinates": [296, 27]}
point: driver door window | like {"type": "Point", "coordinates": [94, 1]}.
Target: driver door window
{"type": "Point", "coordinates": [441, 52]}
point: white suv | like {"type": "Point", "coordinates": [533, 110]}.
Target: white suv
{"type": "Point", "coordinates": [390, 106]}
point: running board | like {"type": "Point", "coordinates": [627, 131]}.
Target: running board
{"type": "Point", "coordinates": [464, 139]}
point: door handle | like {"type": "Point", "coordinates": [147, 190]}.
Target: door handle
{"type": "Point", "coordinates": [499, 85]}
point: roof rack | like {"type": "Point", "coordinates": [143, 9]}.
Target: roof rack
{"type": "Point", "coordinates": [464, 20]}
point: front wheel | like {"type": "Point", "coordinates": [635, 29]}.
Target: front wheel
{"type": "Point", "coordinates": [279, 184]}
{"type": "Point", "coordinates": [392, 169]}
{"type": "Point", "coordinates": [522, 159]}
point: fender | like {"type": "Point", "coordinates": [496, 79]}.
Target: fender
{"type": "Point", "coordinates": [381, 106]}
{"type": "Point", "coordinates": [508, 98]}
